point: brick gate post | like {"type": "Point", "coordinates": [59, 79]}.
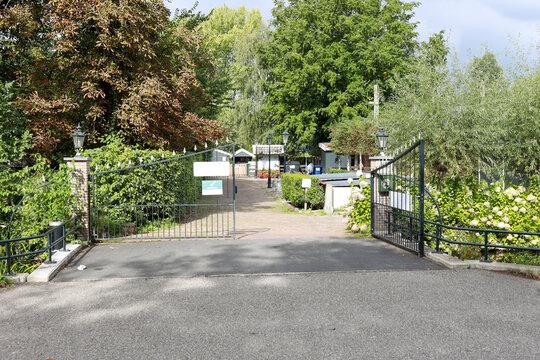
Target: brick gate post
{"type": "Point", "coordinates": [81, 190]}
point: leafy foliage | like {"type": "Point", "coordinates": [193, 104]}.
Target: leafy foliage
{"type": "Point", "coordinates": [110, 66]}
{"type": "Point", "coordinates": [324, 57]}
{"type": "Point", "coordinates": [166, 183]}
{"type": "Point", "coordinates": [471, 116]}
{"type": "Point", "coordinates": [291, 187]}
{"type": "Point", "coordinates": [232, 37]}
{"type": "Point", "coordinates": [358, 214]}
{"type": "Point", "coordinates": [14, 139]}
{"type": "Point", "coordinates": [354, 136]}
{"type": "Point", "coordinates": [54, 202]}
{"type": "Point", "coordinates": [465, 203]}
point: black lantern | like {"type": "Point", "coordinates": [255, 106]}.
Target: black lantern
{"type": "Point", "coordinates": [285, 137]}
{"type": "Point", "coordinates": [269, 167]}
{"type": "Point", "coordinates": [256, 157]}
{"type": "Point", "coordinates": [78, 140]}
{"type": "Point", "coordinates": [382, 139]}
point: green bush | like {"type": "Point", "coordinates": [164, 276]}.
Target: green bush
{"type": "Point", "coordinates": [338, 171]}
{"type": "Point", "coordinates": [54, 202]}
{"type": "Point", "coordinates": [291, 187]}
{"type": "Point", "coordinates": [358, 214]}
{"type": "Point", "coordinates": [465, 203]}
{"type": "Point", "coordinates": [162, 184]}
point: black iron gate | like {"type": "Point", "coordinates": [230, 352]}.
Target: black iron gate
{"type": "Point", "coordinates": [397, 200]}
{"type": "Point", "coordinates": [188, 196]}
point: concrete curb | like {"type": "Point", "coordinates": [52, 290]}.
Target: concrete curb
{"type": "Point", "coordinates": [453, 263]}
{"type": "Point", "coordinates": [46, 272]}
{"type": "Point", "coordinates": [19, 278]}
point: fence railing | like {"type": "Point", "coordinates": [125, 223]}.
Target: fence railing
{"type": "Point", "coordinates": [438, 236]}
{"type": "Point", "coordinates": [51, 244]}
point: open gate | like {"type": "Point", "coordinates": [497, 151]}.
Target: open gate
{"type": "Point", "coordinates": [397, 200]}
{"type": "Point", "coordinates": [189, 196]}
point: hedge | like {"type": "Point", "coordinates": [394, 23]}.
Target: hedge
{"type": "Point", "coordinates": [338, 171]}
{"type": "Point", "coordinates": [291, 187]}
{"type": "Point", "coordinates": [167, 183]}
{"type": "Point", "coordinates": [54, 202]}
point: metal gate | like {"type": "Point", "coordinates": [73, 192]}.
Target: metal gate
{"type": "Point", "coordinates": [397, 200]}
{"type": "Point", "coordinates": [188, 196]}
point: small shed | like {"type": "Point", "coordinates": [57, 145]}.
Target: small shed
{"type": "Point", "coordinates": [220, 155]}
{"type": "Point", "coordinates": [330, 160]}
{"type": "Point", "coordinates": [243, 156]}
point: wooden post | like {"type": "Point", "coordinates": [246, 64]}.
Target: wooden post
{"type": "Point", "coordinates": [375, 101]}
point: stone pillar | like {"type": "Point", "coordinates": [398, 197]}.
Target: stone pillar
{"type": "Point", "coordinates": [329, 199]}
{"type": "Point", "coordinates": [81, 190]}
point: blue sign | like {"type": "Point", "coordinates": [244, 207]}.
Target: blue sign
{"type": "Point", "coordinates": [212, 187]}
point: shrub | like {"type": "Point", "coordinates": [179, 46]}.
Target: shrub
{"type": "Point", "coordinates": [338, 171]}
{"type": "Point", "coordinates": [167, 183]}
{"type": "Point", "coordinates": [51, 203]}
{"type": "Point", "coordinates": [291, 187]}
{"type": "Point", "coordinates": [358, 214]}
{"type": "Point", "coordinates": [465, 203]}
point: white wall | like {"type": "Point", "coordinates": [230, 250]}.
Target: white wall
{"type": "Point", "coordinates": [342, 196]}
{"type": "Point", "coordinates": [263, 162]}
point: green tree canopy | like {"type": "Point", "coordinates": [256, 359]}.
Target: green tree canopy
{"type": "Point", "coordinates": [324, 57]}
{"type": "Point", "coordinates": [353, 137]}
{"type": "Point", "coordinates": [232, 37]}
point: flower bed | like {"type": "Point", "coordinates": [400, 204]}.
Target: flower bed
{"type": "Point", "coordinates": [263, 174]}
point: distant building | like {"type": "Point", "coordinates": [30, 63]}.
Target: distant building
{"type": "Point", "coordinates": [220, 155]}
{"type": "Point", "coordinates": [329, 160]}
{"type": "Point", "coordinates": [243, 156]}
{"type": "Point", "coordinates": [261, 153]}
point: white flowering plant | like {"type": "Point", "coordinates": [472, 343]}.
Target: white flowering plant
{"type": "Point", "coordinates": [465, 203]}
{"type": "Point", "coordinates": [359, 211]}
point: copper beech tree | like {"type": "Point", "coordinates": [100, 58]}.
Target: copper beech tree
{"type": "Point", "coordinates": [110, 65]}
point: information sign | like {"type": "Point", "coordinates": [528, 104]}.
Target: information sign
{"type": "Point", "coordinates": [212, 187]}
{"type": "Point", "coordinates": [306, 183]}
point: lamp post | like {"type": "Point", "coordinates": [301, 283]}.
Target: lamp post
{"type": "Point", "coordinates": [285, 137]}
{"type": "Point", "coordinates": [269, 167]}
{"type": "Point", "coordinates": [78, 140]}
{"type": "Point", "coordinates": [256, 158]}
{"type": "Point", "coordinates": [382, 139]}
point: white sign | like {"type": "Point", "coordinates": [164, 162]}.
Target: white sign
{"type": "Point", "coordinates": [401, 200]}
{"type": "Point", "coordinates": [306, 183]}
{"type": "Point", "coordinates": [211, 168]}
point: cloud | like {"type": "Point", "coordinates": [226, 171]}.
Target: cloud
{"type": "Point", "coordinates": [473, 24]}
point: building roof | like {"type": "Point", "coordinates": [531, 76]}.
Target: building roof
{"type": "Point", "coordinates": [274, 149]}
{"type": "Point", "coordinates": [326, 146]}
{"type": "Point", "coordinates": [243, 153]}
{"type": "Point", "coordinates": [223, 152]}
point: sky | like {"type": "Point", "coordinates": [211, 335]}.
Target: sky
{"type": "Point", "coordinates": [470, 25]}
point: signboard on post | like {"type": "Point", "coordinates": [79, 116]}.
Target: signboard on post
{"type": "Point", "coordinates": [306, 183]}
{"type": "Point", "coordinates": [212, 187]}
{"type": "Point", "coordinates": [211, 168]}
{"type": "Point", "coordinates": [386, 183]}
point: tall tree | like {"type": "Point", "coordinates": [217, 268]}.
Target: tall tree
{"type": "Point", "coordinates": [113, 66]}
{"type": "Point", "coordinates": [324, 57]}
{"type": "Point", "coordinates": [233, 37]}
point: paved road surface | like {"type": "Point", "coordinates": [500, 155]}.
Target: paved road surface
{"type": "Point", "coordinates": [429, 314]}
